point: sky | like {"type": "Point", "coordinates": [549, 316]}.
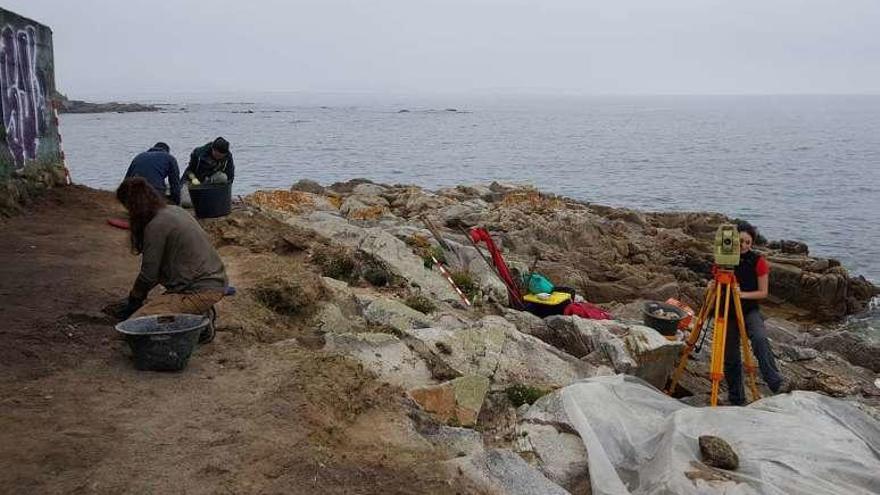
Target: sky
{"type": "Point", "coordinates": [114, 48]}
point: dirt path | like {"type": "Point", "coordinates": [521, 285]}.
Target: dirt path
{"type": "Point", "coordinates": [251, 414]}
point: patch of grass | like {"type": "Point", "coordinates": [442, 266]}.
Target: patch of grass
{"type": "Point", "coordinates": [465, 281]}
{"type": "Point", "coordinates": [434, 251]}
{"type": "Point", "coordinates": [420, 303]}
{"type": "Point", "coordinates": [336, 262]}
{"type": "Point", "coordinates": [385, 329]}
{"type": "Point", "coordinates": [520, 394]}
{"type": "Point", "coordinates": [423, 248]}
{"type": "Point", "coordinates": [289, 296]}
{"type": "Point", "coordinates": [418, 241]}
{"type": "Point", "coordinates": [376, 275]}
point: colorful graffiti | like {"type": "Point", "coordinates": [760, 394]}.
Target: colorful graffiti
{"type": "Point", "coordinates": [22, 94]}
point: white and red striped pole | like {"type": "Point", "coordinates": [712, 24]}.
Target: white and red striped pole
{"type": "Point", "coordinates": [448, 278]}
{"type": "Point", "coordinates": [67, 179]}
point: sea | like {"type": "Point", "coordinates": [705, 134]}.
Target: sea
{"type": "Point", "coordinates": [803, 168]}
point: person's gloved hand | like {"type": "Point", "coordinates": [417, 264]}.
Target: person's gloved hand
{"type": "Point", "coordinates": [132, 304]}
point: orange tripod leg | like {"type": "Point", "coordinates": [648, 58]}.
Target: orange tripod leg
{"type": "Point", "coordinates": [692, 339]}
{"type": "Point", "coordinates": [748, 362]}
{"type": "Point", "coordinates": [719, 337]}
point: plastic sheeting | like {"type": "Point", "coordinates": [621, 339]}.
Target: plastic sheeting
{"type": "Point", "coordinates": [640, 441]}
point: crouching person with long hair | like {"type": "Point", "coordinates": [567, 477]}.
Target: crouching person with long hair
{"type": "Point", "coordinates": [175, 252]}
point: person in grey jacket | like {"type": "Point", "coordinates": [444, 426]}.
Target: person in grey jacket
{"type": "Point", "coordinates": [175, 253]}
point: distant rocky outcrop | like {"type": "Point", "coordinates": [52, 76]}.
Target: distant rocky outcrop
{"type": "Point", "coordinates": [66, 105]}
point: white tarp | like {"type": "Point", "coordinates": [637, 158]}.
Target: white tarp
{"type": "Point", "coordinates": [640, 441]}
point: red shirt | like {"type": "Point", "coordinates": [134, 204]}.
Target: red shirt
{"type": "Point", "coordinates": [762, 267]}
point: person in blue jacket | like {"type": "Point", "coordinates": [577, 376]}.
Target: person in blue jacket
{"type": "Point", "coordinates": [156, 165]}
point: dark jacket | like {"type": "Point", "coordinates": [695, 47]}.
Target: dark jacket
{"type": "Point", "coordinates": [747, 278]}
{"type": "Point", "coordinates": [202, 164]}
{"type": "Point", "coordinates": [155, 165]}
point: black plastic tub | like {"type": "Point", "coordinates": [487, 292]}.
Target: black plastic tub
{"type": "Point", "coordinates": [163, 342]}
{"type": "Point", "coordinates": [211, 200]}
{"type": "Point", "coordinates": [666, 326]}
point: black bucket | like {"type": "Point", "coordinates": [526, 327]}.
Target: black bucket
{"type": "Point", "coordinates": [211, 200]}
{"type": "Point", "coordinates": [666, 326]}
{"type": "Point", "coordinates": [163, 342]}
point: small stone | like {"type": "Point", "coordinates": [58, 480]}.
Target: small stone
{"type": "Point", "coordinates": [718, 453]}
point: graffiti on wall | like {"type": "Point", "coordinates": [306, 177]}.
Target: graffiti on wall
{"type": "Point", "coordinates": [22, 94]}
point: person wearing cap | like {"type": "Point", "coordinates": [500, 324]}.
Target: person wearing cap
{"type": "Point", "coordinates": [156, 165]}
{"type": "Point", "coordinates": [211, 164]}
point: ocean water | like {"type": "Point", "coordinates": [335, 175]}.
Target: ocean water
{"type": "Point", "coordinates": [799, 167]}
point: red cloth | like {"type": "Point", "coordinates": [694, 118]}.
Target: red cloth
{"type": "Point", "coordinates": [586, 310]}
{"type": "Point", "coordinates": [119, 223]}
{"type": "Point", "coordinates": [762, 267]}
{"type": "Point", "coordinates": [477, 235]}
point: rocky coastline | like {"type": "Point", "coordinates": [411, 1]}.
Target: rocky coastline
{"type": "Point", "coordinates": [484, 382]}
{"type": "Point", "coordinates": [66, 105]}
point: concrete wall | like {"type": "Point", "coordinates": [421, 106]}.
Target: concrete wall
{"type": "Point", "coordinates": [30, 151]}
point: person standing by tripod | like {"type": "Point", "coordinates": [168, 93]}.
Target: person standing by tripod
{"type": "Point", "coordinates": [753, 276]}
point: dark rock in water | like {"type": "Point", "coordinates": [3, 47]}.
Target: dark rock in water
{"type": "Point", "coordinates": [718, 453]}
{"type": "Point", "coordinates": [828, 296]}
{"type": "Point", "coordinates": [403, 110]}
{"type": "Point", "coordinates": [853, 347]}
{"type": "Point", "coordinates": [309, 186]}
{"type": "Point", "coordinates": [451, 109]}
{"type": "Point", "coordinates": [860, 292]}
{"type": "Point", "coordinates": [790, 247]}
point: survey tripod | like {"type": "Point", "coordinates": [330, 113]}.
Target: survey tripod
{"type": "Point", "coordinates": [723, 284]}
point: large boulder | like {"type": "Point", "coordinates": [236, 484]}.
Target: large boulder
{"type": "Point", "coordinates": [451, 441]}
{"type": "Point", "coordinates": [828, 295]}
{"type": "Point", "coordinates": [393, 253]}
{"type": "Point", "coordinates": [853, 347]}
{"type": "Point", "coordinates": [466, 258]}
{"type": "Point", "coordinates": [368, 189]}
{"type": "Point", "coordinates": [783, 331]}
{"type": "Point", "coordinates": [632, 349]}
{"type": "Point", "coordinates": [363, 207]}
{"type": "Point", "coordinates": [291, 202]}
{"type": "Point", "coordinates": [526, 322]}
{"type": "Point", "coordinates": [385, 355]}
{"type": "Point", "coordinates": [456, 402]}
{"type": "Point", "coordinates": [329, 318]}
{"type": "Point", "coordinates": [465, 214]}
{"type": "Point", "coordinates": [494, 348]}
{"type": "Point", "coordinates": [501, 472]}
{"type": "Point", "coordinates": [413, 201]}
{"type": "Point", "coordinates": [341, 314]}
{"type": "Point", "coordinates": [545, 436]}
{"type": "Point", "coordinates": [395, 314]}
{"type": "Point", "coordinates": [309, 186]}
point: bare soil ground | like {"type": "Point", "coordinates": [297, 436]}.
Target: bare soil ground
{"type": "Point", "coordinates": [260, 410]}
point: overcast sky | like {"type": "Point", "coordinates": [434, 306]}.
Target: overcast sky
{"type": "Point", "coordinates": [138, 47]}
